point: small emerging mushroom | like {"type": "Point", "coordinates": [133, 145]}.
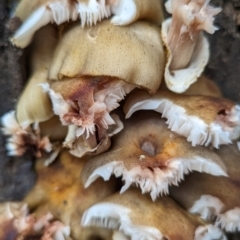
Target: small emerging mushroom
{"type": "Point", "coordinates": [94, 68]}
{"type": "Point", "coordinates": [215, 199]}
{"type": "Point", "coordinates": [188, 49]}
{"type": "Point", "coordinates": [137, 217]}
{"type": "Point", "coordinates": [150, 156]}
{"type": "Point", "coordinates": [36, 14]}
{"type": "Point", "coordinates": [59, 190]}
{"type": "Point", "coordinates": [203, 120]}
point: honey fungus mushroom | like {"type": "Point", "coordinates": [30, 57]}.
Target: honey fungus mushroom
{"type": "Point", "coordinates": [188, 49]}
{"type": "Point", "coordinates": [203, 120]}
{"type": "Point", "coordinates": [150, 156]}
{"type": "Point", "coordinates": [94, 68]}
{"type": "Point", "coordinates": [36, 14]}
{"type": "Point", "coordinates": [137, 217]}
{"type": "Point", "coordinates": [60, 191]}
{"type": "Point", "coordinates": [214, 198]}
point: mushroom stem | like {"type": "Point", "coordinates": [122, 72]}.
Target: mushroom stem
{"type": "Point", "coordinates": [189, 18]}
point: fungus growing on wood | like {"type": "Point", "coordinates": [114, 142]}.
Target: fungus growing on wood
{"type": "Point", "coordinates": [188, 49]}
{"type": "Point", "coordinates": [203, 120]}
{"type": "Point", "coordinates": [138, 217]}
{"type": "Point", "coordinates": [36, 14]}
{"type": "Point", "coordinates": [215, 199]}
{"type": "Point", "coordinates": [150, 156]}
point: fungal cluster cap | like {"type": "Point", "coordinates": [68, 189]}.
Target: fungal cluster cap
{"type": "Point", "coordinates": [67, 199]}
{"type": "Point", "coordinates": [217, 203]}
{"type": "Point", "coordinates": [148, 155]}
{"type": "Point", "coordinates": [203, 120]}
{"type": "Point", "coordinates": [133, 53]}
{"type": "Point", "coordinates": [36, 14]}
{"type": "Point", "coordinates": [94, 68]}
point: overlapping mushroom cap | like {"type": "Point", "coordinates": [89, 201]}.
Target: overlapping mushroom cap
{"type": "Point", "coordinates": [150, 156]}
{"type": "Point", "coordinates": [94, 68]}
{"type": "Point", "coordinates": [214, 198]}
{"type": "Point", "coordinates": [59, 190]}
{"type": "Point", "coordinates": [203, 120]}
{"type": "Point", "coordinates": [188, 49]}
{"type": "Point", "coordinates": [139, 218]}
{"type": "Point", "coordinates": [36, 14]}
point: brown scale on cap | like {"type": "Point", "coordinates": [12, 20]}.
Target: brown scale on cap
{"type": "Point", "coordinates": [149, 155]}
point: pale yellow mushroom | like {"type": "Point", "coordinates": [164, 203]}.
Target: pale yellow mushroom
{"type": "Point", "coordinates": [38, 13]}
{"type": "Point", "coordinates": [150, 156]}
{"type": "Point", "coordinates": [94, 68]}
{"type": "Point", "coordinates": [214, 198]}
{"type": "Point", "coordinates": [59, 190]}
{"type": "Point", "coordinates": [136, 216]}
{"type": "Point", "coordinates": [203, 120]}
{"type": "Point", "coordinates": [34, 105]}
{"type": "Point", "coordinates": [188, 49]}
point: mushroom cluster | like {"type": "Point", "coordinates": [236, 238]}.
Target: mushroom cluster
{"type": "Point", "coordinates": [131, 141]}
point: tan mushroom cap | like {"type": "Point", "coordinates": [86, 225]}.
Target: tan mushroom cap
{"type": "Point", "coordinates": [59, 190]}
{"type": "Point", "coordinates": [38, 13]}
{"type": "Point", "coordinates": [34, 105]}
{"type": "Point", "coordinates": [149, 155]}
{"type": "Point", "coordinates": [132, 53]}
{"type": "Point", "coordinates": [140, 218]}
{"type": "Point", "coordinates": [202, 120]}
{"type": "Point", "coordinates": [214, 198]}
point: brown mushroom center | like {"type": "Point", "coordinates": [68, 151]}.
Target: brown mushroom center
{"type": "Point", "coordinates": [149, 148]}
